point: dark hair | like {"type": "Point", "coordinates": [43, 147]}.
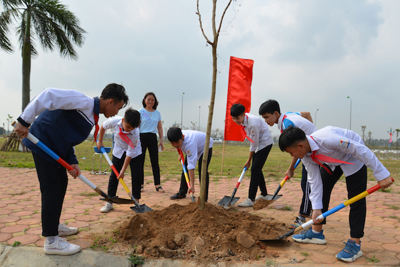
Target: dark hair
{"type": "Point", "coordinates": [237, 110]}
{"type": "Point", "coordinates": [155, 100]}
{"type": "Point", "coordinates": [290, 137]}
{"type": "Point", "coordinates": [269, 106]}
{"type": "Point", "coordinates": [174, 134]}
{"type": "Point", "coordinates": [132, 117]}
{"type": "Point", "coordinates": [116, 92]}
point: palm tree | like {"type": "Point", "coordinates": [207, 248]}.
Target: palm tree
{"type": "Point", "coordinates": [49, 21]}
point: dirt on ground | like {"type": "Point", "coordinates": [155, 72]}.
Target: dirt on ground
{"type": "Point", "coordinates": [186, 232]}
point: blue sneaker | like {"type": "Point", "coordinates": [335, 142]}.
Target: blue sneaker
{"type": "Point", "coordinates": [307, 236]}
{"type": "Point", "coordinates": [350, 252]}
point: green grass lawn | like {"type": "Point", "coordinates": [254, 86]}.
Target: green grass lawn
{"type": "Point", "coordinates": [235, 157]}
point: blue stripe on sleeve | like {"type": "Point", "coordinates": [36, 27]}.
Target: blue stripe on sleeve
{"type": "Point", "coordinates": [286, 123]}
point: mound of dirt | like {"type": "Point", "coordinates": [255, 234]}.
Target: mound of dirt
{"type": "Point", "coordinates": [186, 232]}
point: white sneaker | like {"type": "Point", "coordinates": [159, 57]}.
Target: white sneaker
{"type": "Point", "coordinates": [247, 203]}
{"type": "Point", "coordinates": [261, 197]}
{"type": "Point", "coordinates": [64, 230]}
{"type": "Point", "coordinates": [107, 207]}
{"type": "Point", "coordinates": [60, 246]}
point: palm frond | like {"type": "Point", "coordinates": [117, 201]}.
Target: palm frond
{"type": "Point", "coordinates": [21, 31]}
{"type": "Point", "coordinates": [10, 4]}
{"type": "Point", "coordinates": [66, 20]}
{"type": "Point", "coordinates": [42, 29]}
{"type": "Point", "coordinates": [5, 43]}
{"type": "Point", "coordinates": [52, 24]}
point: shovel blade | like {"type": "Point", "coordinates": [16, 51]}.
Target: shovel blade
{"type": "Point", "coordinates": [280, 237]}
{"type": "Point", "coordinates": [117, 200]}
{"type": "Point", "coordinates": [228, 202]}
{"type": "Point", "coordinates": [141, 208]}
{"type": "Point", "coordinates": [269, 197]}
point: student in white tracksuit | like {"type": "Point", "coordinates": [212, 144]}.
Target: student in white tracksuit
{"type": "Point", "coordinates": [257, 132]}
{"type": "Point", "coordinates": [192, 144]}
{"type": "Point", "coordinates": [271, 112]}
{"type": "Point", "coordinates": [126, 151]}
{"type": "Point", "coordinates": [345, 153]}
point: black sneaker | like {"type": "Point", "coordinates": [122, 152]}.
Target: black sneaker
{"type": "Point", "coordinates": [177, 196]}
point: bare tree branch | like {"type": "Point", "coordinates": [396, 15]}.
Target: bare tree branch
{"type": "Point", "coordinates": [201, 24]}
{"type": "Point", "coordinates": [213, 21]}
{"type": "Point", "coordinates": [223, 14]}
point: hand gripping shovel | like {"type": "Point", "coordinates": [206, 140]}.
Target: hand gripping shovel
{"type": "Point", "coordinates": [283, 182]}
{"type": "Point", "coordinates": [137, 208]}
{"type": "Point", "coordinates": [329, 212]}
{"type": "Point", "coordinates": [228, 202]}
{"type": "Point", "coordinates": [48, 151]}
{"type": "Point", "coordinates": [186, 174]}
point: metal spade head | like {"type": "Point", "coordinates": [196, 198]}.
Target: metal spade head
{"type": "Point", "coordinates": [281, 237]}
{"type": "Point", "coordinates": [228, 202]}
{"type": "Point", "coordinates": [141, 208]}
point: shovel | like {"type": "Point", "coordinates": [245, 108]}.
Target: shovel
{"type": "Point", "coordinates": [227, 201]}
{"type": "Point", "coordinates": [186, 174]}
{"type": "Point", "coordinates": [48, 151]}
{"type": "Point", "coordinates": [283, 182]}
{"type": "Point", "coordinates": [137, 208]}
{"type": "Point", "coordinates": [329, 212]}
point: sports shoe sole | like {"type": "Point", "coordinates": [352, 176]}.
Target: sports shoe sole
{"type": "Point", "coordinates": [359, 254]}
{"type": "Point", "coordinates": [105, 211]}
{"type": "Point", "coordinates": [316, 241]}
{"type": "Point", "coordinates": [68, 233]}
{"type": "Point", "coordinates": [58, 252]}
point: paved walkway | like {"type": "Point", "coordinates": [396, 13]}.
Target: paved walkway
{"type": "Point", "coordinates": [20, 216]}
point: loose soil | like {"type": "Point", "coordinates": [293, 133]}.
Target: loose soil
{"type": "Point", "coordinates": [186, 232]}
{"type": "Point", "coordinates": [262, 203]}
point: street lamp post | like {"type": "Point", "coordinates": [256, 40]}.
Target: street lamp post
{"type": "Point", "coordinates": [199, 117]}
{"type": "Point", "coordinates": [182, 110]}
{"type": "Point", "coordinates": [316, 117]}
{"type": "Point", "coordinates": [350, 110]}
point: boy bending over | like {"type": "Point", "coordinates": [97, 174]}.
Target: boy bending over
{"type": "Point", "coordinates": [126, 152]}
{"type": "Point", "coordinates": [338, 151]}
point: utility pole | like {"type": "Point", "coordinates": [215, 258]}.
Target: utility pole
{"type": "Point", "coordinates": [199, 117]}
{"type": "Point", "coordinates": [350, 110]}
{"type": "Point", "coordinates": [182, 111]}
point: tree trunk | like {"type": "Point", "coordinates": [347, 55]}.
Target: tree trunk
{"type": "Point", "coordinates": [214, 45]}
{"type": "Point", "coordinates": [26, 63]}
{"type": "Point", "coordinates": [210, 110]}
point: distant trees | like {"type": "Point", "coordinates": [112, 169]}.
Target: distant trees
{"type": "Point", "coordinates": [363, 131]}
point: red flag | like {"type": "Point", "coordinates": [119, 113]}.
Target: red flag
{"type": "Point", "coordinates": [239, 92]}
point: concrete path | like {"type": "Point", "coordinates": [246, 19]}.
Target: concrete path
{"type": "Point", "coordinates": [20, 222]}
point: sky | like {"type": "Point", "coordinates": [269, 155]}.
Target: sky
{"type": "Point", "coordinates": [309, 55]}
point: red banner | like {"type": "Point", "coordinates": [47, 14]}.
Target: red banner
{"type": "Point", "coordinates": [239, 92]}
